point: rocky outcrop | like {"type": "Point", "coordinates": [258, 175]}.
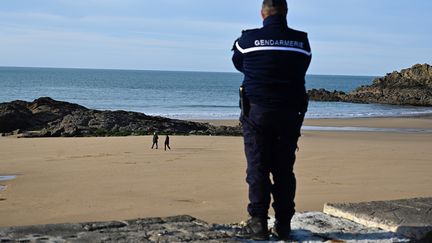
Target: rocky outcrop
{"type": "Point", "coordinates": [46, 117]}
{"type": "Point", "coordinates": [325, 95]}
{"type": "Point", "coordinates": [412, 86]}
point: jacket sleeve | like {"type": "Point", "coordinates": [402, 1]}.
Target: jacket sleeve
{"type": "Point", "coordinates": [308, 48]}
{"type": "Point", "coordinates": [237, 57]}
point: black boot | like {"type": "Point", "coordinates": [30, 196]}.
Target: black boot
{"type": "Point", "coordinates": [255, 229]}
{"type": "Point", "coordinates": [282, 230]}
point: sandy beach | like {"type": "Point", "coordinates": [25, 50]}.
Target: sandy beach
{"type": "Point", "coordinates": [92, 179]}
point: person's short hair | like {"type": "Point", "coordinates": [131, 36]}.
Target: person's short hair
{"type": "Point", "coordinates": [275, 7]}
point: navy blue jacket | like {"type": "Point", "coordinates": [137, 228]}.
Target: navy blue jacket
{"type": "Point", "coordinates": [274, 60]}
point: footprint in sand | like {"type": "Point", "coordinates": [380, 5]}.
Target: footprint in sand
{"type": "Point", "coordinates": [90, 156]}
{"type": "Point", "coordinates": [189, 201]}
{"type": "Point", "coordinates": [125, 163]}
{"type": "Point", "coordinates": [322, 181]}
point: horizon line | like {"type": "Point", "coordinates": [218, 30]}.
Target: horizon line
{"type": "Point", "coordinates": [166, 70]}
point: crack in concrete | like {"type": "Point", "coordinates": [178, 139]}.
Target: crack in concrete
{"type": "Point", "coordinates": [404, 206]}
{"type": "Point", "coordinates": [392, 210]}
{"type": "Point", "coordinates": [399, 220]}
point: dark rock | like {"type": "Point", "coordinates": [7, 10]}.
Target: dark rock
{"type": "Point", "coordinates": [46, 109]}
{"type": "Point", "coordinates": [412, 86]}
{"type": "Point", "coordinates": [46, 117]}
{"type": "Point", "coordinates": [325, 95]}
{"type": "Point", "coordinates": [14, 115]}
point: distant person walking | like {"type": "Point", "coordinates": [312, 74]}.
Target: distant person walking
{"type": "Point", "coordinates": [155, 140]}
{"type": "Point", "coordinates": [167, 141]}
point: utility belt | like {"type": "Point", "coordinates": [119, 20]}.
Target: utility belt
{"type": "Point", "coordinates": [300, 104]}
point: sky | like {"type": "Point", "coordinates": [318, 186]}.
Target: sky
{"type": "Point", "coordinates": [352, 37]}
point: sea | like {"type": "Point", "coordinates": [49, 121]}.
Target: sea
{"type": "Point", "coordinates": [174, 94]}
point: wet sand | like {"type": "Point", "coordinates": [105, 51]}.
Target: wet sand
{"type": "Point", "coordinates": [91, 179]}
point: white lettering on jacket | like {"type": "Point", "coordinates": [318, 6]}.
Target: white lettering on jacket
{"type": "Point", "coordinates": [286, 43]}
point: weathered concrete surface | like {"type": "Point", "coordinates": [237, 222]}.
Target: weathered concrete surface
{"type": "Point", "coordinates": [320, 227]}
{"type": "Point", "coordinates": [307, 227]}
{"type": "Point", "coordinates": [410, 217]}
{"type": "Point", "coordinates": [171, 229]}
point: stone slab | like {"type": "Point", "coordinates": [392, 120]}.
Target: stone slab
{"type": "Point", "coordinates": [311, 227]}
{"type": "Point", "coordinates": [409, 217]}
{"type": "Point", "coordinates": [320, 227]}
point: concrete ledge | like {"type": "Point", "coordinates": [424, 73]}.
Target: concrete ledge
{"type": "Point", "coordinates": [312, 227]}
{"type": "Point", "coordinates": [409, 217]}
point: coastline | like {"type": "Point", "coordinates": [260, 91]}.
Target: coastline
{"type": "Point", "coordinates": [112, 178]}
{"type": "Point", "coordinates": [417, 121]}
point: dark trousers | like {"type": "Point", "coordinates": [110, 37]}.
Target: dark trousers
{"type": "Point", "coordinates": [155, 143]}
{"type": "Point", "coordinates": [270, 141]}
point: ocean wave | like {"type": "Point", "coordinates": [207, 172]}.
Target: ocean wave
{"type": "Point", "coordinates": [210, 106]}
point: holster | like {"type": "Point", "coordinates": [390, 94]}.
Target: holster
{"type": "Point", "coordinates": [244, 102]}
{"type": "Point", "coordinates": [304, 105]}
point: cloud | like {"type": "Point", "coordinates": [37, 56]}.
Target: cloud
{"type": "Point", "coordinates": [355, 37]}
{"type": "Point", "coordinates": [36, 47]}
{"type": "Point", "coordinates": [122, 25]}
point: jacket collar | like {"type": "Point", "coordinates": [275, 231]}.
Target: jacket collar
{"type": "Point", "coordinates": [275, 20]}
